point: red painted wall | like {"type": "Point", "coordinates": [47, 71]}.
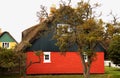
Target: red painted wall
{"type": "Point", "coordinates": [70, 63]}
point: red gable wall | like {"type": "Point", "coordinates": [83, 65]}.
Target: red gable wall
{"type": "Point", "coordinates": [63, 64]}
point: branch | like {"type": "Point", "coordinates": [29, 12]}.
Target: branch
{"type": "Point", "coordinates": [42, 13]}
{"type": "Point", "coordinates": [69, 2]}
{"type": "Point", "coordinates": [115, 18]}
{"type": "Point", "coordinates": [39, 60]}
{"type": "Point", "coordinates": [64, 3]}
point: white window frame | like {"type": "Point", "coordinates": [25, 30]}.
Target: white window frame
{"type": "Point", "coordinates": [69, 29]}
{"type": "Point", "coordinates": [3, 43]}
{"type": "Point", "coordinates": [47, 60]}
{"type": "Point", "coordinates": [85, 57]}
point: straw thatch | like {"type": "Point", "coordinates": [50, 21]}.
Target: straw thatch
{"type": "Point", "coordinates": [30, 34]}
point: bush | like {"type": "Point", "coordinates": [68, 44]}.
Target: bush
{"type": "Point", "coordinates": [8, 59]}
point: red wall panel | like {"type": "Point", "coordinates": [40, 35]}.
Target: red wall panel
{"type": "Point", "coordinates": [98, 64]}
{"type": "Point", "coordinates": [69, 63]}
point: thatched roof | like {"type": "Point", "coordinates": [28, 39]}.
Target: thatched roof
{"type": "Point", "coordinates": [31, 33]}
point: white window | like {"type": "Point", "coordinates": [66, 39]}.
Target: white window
{"type": "Point", "coordinates": [5, 45]}
{"type": "Point", "coordinates": [63, 29]}
{"type": "Point", "coordinates": [47, 57]}
{"type": "Point", "coordinates": [85, 57]}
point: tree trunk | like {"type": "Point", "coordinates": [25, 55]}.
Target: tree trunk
{"type": "Point", "coordinates": [87, 73]}
{"type": "Point", "coordinates": [86, 67]}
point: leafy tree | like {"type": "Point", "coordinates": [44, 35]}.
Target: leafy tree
{"type": "Point", "coordinates": [8, 59]}
{"type": "Point", "coordinates": [114, 44]}
{"type": "Point", "coordinates": [114, 50]}
{"type": "Point", "coordinates": [81, 28]}
{"type": "Point", "coordinates": [112, 29]}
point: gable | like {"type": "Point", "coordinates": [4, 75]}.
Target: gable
{"type": "Point", "coordinates": [99, 48]}
{"type": "Point", "coordinates": [46, 43]}
{"type": "Point", "coordinates": [5, 37]}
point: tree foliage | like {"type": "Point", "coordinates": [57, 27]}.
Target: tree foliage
{"type": "Point", "coordinates": [8, 58]}
{"type": "Point", "coordinates": [112, 30]}
{"type": "Point", "coordinates": [81, 28]}
{"type": "Point", "coordinates": [114, 50]}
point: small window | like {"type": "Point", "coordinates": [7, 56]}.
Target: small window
{"type": "Point", "coordinates": [5, 45]}
{"type": "Point", "coordinates": [47, 57]}
{"type": "Point", "coordinates": [85, 57]}
{"type": "Point", "coordinates": [63, 29]}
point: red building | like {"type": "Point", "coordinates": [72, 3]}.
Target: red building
{"type": "Point", "coordinates": [57, 63]}
{"type": "Point", "coordinates": [51, 61]}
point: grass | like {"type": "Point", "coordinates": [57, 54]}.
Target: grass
{"type": "Point", "coordinates": [109, 73]}
{"type": "Point", "coordinates": [111, 70]}
{"type": "Point", "coordinates": [69, 76]}
{"type": "Point", "coordinates": [10, 76]}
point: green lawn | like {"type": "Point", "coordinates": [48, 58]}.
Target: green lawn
{"type": "Point", "coordinates": [10, 76]}
{"type": "Point", "coordinates": [111, 70]}
{"type": "Point", "coordinates": [109, 73]}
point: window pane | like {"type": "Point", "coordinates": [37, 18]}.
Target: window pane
{"type": "Point", "coordinates": [85, 57]}
{"type": "Point", "coordinates": [46, 57]}
{"type": "Point", "coordinates": [63, 29]}
{"type": "Point", "coordinates": [5, 45]}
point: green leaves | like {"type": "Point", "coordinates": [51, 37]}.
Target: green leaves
{"type": "Point", "coordinates": [62, 42]}
{"type": "Point", "coordinates": [114, 49]}
{"type": "Point", "coordinates": [87, 30]}
{"type": "Point", "coordinates": [8, 58]}
{"type": "Point", "coordinates": [38, 53]}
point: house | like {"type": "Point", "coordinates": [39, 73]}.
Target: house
{"type": "Point", "coordinates": [7, 41]}
{"type": "Point", "coordinates": [51, 61]}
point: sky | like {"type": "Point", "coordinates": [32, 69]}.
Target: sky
{"type": "Point", "coordinates": [18, 15]}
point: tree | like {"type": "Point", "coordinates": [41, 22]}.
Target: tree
{"type": "Point", "coordinates": [112, 29]}
{"type": "Point", "coordinates": [78, 26]}
{"type": "Point", "coordinates": [8, 59]}
{"type": "Point", "coordinates": [114, 50]}
{"type": "Point", "coordinates": [114, 45]}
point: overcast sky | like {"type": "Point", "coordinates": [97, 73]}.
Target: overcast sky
{"type": "Point", "coordinates": [18, 15]}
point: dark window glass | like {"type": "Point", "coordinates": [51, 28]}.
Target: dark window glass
{"type": "Point", "coordinates": [46, 57]}
{"type": "Point", "coordinates": [5, 45]}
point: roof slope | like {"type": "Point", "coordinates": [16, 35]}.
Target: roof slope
{"type": "Point", "coordinates": [31, 33]}
{"type": "Point", "coordinates": [1, 35]}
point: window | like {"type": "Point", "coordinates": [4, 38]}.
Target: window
{"type": "Point", "coordinates": [63, 29]}
{"type": "Point", "coordinates": [5, 44]}
{"type": "Point", "coordinates": [85, 57]}
{"type": "Point", "coordinates": [47, 57]}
